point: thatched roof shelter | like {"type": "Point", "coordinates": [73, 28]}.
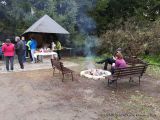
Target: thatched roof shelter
{"type": "Point", "coordinates": [44, 30]}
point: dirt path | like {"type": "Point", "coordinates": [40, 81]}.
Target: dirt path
{"type": "Point", "coordinates": [36, 66]}
{"type": "Point", "coordinates": [37, 95]}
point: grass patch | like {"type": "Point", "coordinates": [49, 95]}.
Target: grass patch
{"type": "Point", "coordinates": [152, 59]}
{"type": "Point", "coordinates": [154, 71]}
{"type": "Point", "coordinates": [142, 107]}
{"type": "Point", "coordinates": [137, 107]}
{"type": "Point", "coordinates": [154, 65]}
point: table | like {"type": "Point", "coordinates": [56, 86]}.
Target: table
{"type": "Point", "coordinates": [41, 54]}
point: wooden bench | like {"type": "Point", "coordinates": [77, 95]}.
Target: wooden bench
{"type": "Point", "coordinates": [59, 66]}
{"type": "Point", "coordinates": [133, 60]}
{"type": "Point", "coordinates": [128, 72]}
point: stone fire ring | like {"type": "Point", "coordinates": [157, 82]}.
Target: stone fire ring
{"type": "Point", "coordinates": [95, 77]}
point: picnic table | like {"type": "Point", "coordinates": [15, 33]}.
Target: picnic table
{"type": "Point", "coordinates": [40, 55]}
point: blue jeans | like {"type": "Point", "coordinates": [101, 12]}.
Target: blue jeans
{"type": "Point", "coordinates": [24, 56]}
{"type": "Point", "coordinates": [32, 53]}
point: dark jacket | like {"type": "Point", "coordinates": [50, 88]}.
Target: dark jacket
{"type": "Point", "coordinates": [20, 48]}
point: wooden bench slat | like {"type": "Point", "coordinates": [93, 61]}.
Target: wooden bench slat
{"type": "Point", "coordinates": [128, 71]}
{"type": "Point", "coordinates": [129, 74]}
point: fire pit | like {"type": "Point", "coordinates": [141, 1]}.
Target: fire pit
{"type": "Point", "coordinates": [95, 73]}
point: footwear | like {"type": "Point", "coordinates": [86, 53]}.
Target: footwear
{"type": "Point", "coordinates": [112, 81]}
{"type": "Point", "coordinates": [32, 62]}
{"type": "Point", "coordinates": [21, 69]}
{"type": "Point", "coordinates": [105, 68]}
{"type": "Point", "coordinates": [99, 62]}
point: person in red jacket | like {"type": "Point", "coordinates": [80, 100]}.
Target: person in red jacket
{"type": "Point", "coordinates": [8, 50]}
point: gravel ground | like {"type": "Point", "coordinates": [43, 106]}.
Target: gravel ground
{"type": "Point", "coordinates": [35, 94]}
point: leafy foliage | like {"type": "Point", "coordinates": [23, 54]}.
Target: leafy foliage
{"type": "Point", "coordinates": [119, 23]}
{"type": "Point", "coordinates": [133, 41]}
{"type": "Point", "coordinates": [111, 14]}
{"type": "Point", "coordinates": [130, 24]}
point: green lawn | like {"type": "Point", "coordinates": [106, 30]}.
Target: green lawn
{"type": "Point", "coordinates": [154, 65]}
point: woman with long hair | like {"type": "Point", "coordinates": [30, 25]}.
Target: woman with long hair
{"type": "Point", "coordinates": [119, 62]}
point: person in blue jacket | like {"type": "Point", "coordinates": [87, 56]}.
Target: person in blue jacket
{"type": "Point", "coordinates": [33, 47]}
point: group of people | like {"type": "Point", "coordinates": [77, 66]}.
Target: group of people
{"type": "Point", "coordinates": [20, 48]}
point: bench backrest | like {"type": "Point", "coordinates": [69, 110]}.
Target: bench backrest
{"type": "Point", "coordinates": [130, 71]}
{"type": "Point", "coordinates": [133, 60]}
{"type": "Point", "coordinates": [57, 64]}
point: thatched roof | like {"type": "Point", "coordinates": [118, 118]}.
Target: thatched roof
{"type": "Point", "coordinates": [46, 25]}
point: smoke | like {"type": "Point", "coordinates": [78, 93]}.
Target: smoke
{"type": "Point", "coordinates": [89, 63]}
{"type": "Point", "coordinates": [32, 11]}
{"type": "Point", "coordinates": [3, 2]}
{"type": "Point", "coordinates": [87, 27]}
{"type": "Point", "coordinates": [91, 42]}
{"type": "Point", "coordinates": [85, 39]}
{"type": "Point", "coordinates": [86, 24]}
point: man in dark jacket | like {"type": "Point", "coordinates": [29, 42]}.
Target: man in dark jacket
{"type": "Point", "coordinates": [20, 51]}
{"type": "Point", "coordinates": [25, 48]}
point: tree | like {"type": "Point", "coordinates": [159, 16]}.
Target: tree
{"type": "Point", "coordinates": [110, 14]}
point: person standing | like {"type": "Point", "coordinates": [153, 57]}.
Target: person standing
{"type": "Point", "coordinates": [25, 49]}
{"type": "Point", "coordinates": [29, 50]}
{"type": "Point", "coordinates": [58, 49]}
{"type": "Point", "coordinates": [20, 51]}
{"type": "Point", "coordinates": [33, 47]}
{"type": "Point", "coordinates": [8, 50]}
{"type": "Point", "coordinates": [53, 46]}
